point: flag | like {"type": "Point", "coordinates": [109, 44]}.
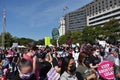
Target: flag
{"type": "Point", "coordinates": [69, 42]}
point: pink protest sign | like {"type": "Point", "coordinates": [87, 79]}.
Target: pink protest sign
{"type": "Point", "coordinates": [105, 69]}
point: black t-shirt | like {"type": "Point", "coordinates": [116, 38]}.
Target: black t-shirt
{"type": "Point", "coordinates": [16, 57]}
{"type": "Point", "coordinates": [94, 60]}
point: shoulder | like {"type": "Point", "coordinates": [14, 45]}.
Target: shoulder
{"type": "Point", "coordinates": [64, 76]}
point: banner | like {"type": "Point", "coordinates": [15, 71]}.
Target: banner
{"type": "Point", "coordinates": [47, 41]}
{"type": "Point", "coordinates": [105, 69]}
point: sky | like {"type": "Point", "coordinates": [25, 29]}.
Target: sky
{"type": "Point", "coordinates": [35, 19]}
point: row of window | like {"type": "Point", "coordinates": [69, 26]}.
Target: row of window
{"type": "Point", "coordinates": [75, 28]}
{"type": "Point", "coordinates": [96, 9]}
{"type": "Point", "coordinates": [118, 15]}
{"type": "Point", "coordinates": [80, 14]}
{"type": "Point", "coordinates": [102, 23]}
{"type": "Point", "coordinates": [82, 23]}
{"type": "Point", "coordinates": [77, 19]}
{"type": "Point", "coordinates": [112, 12]}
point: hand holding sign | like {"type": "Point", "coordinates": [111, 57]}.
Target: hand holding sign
{"type": "Point", "coordinates": [105, 70]}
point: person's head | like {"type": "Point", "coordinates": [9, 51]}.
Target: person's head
{"type": "Point", "coordinates": [41, 56]}
{"type": "Point", "coordinates": [115, 53]}
{"type": "Point", "coordinates": [82, 57]}
{"type": "Point", "coordinates": [25, 66]}
{"type": "Point", "coordinates": [33, 50]}
{"type": "Point", "coordinates": [76, 49]}
{"type": "Point", "coordinates": [96, 51]}
{"type": "Point", "coordinates": [56, 55]}
{"type": "Point", "coordinates": [69, 65]}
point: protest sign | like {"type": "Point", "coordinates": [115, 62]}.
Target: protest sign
{"type": "Point", "coordinates": [105, 69]}
{"type": "Point", "coordinates": [53, 75]}
{"type": "Point", "coordinates": [47, 41]}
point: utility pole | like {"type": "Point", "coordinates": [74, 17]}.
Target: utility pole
{"type": "Point", "coordinates": [3, 28]}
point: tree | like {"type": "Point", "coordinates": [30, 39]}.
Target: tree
{"type": "Point", "coordinates": [111, 27]}
{"type": "Point", "coordinates": [63, 39]}
{"type": "Point", "coordinates": [88, 34]}
{"type": "Point", "coordinates": [25, 41]}
{"type": "Point", "coordinates": [111, 30]}
{"type": "Point", "coordinates": [77, 37]}
{"type": "Point", "coordinates": [53, 42]}
{"type": "Point", "coordinates": [40, 42]}
{"type": "Point", "coordinates": [8, 39]}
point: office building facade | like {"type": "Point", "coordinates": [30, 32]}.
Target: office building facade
{"type": "Point", "coordinates": [76, 20]}
{"type": "Point", "coordinates": [95, 13]}
{"type": "Point", "coordinates": [101, 11]}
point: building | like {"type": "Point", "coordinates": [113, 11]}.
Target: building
{"type": "Point", "coordinates": [101, 11]}
{"type": "Point", "coordinates": [62, 26]}
{"type": "Point", "coordinates": [95, 13]}
{"type": "Point", "coordinates": [75, 20]}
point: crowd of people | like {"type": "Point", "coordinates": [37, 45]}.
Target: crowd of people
{"type": "Point", "coordinates": [58, 63]}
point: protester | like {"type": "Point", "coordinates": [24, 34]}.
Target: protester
{"type": "Point", "coordinates": [83, 72]}
{"type": "Point", "coordinates": [44, 66]}
{"type": "Point", "coordinates": [9, 68]}
{"type": "Point", "coordinates": [75, 54]}
{"type": "Point", "coordinates": [115, 59]}
{"type": "Point", "coordinates": [69, 69]}
{"type": "Point", "coordinates": [31, 56]}
{"type": "Point", "coordinates": [94, 59]}
{"type": "Point", "coordinates": [60, 63]}
{"type": "Point", "coordinates": [57, 62]}
{"type": "Point", "coordinates": [25, 71]}
{"type": "Point", "coordinates": [16, 56]}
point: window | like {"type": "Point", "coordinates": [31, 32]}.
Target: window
{"type": "Point", "coordinates": [102, 2]}
{"type": "Point", "coordinates": [110, 4]}
{"type": "Point", "coordinates": [110, 1]}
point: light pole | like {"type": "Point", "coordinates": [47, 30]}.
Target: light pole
{"type": "Point", "coordinates": [3, 29]}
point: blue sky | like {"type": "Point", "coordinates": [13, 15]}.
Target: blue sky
{"type": "Point", "coordinates": [35, 18]}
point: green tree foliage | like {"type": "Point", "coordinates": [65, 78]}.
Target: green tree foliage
{"type": "Point", "coordinates": [110, 32]}
{"type": "Point", "coordinates": [88, 34]}
{"type": "Point", "coordinates": [40, 42]}
{"type": "Point", "coordinates": [111, 28]}
{"type": "Point", "coordinates": [53, 42]}
{"type": "Point", "coordinates": [63, 39]}
{"type": "Point", "coordinates": [8, 39]}
{"type": "Point", "coordinates": [77, 37]}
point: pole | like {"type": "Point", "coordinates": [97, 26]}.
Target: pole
{"type": "Point", "coordinates": [3, 29]}
{"type": "Point", "coordinates": [57, 43]}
